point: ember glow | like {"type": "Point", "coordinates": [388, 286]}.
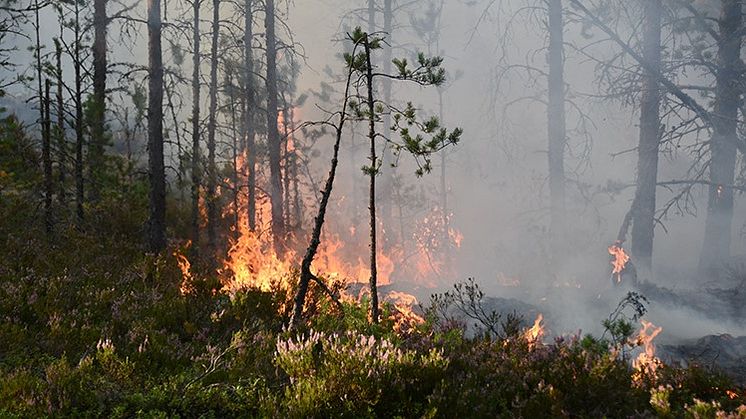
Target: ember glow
{"type": "Point", "coordinates": [620, 260]}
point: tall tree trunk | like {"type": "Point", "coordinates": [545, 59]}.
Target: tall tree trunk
{"type": "Point", "coordinates": [717, 239]}
{"type": "Point", "coordinates": [47, 160]}
{"type": "Point", "coordinates": [196, 155]}
{"type": "Point", "coordinates": [212, 209]}
{"type": "Point", "coordinates": [273, 135]}
{"type": "Point", "coordinates": [643, 207]}
{"type": "Point", "coordinates": [157, 224]}
{"type": "Point", "coordinates": [97, 140]}
{"type": "Point", "coordinates": [79, 182]}
{"type": "Point", "coordinates": [372, 197]}
{"type": "Point", "coordinates": [249, 113]}
{"type": "Point", "coordinates": [60, 128]}
{"type": "Point", "coordinates": [445, 220]}
{"type": "Point", "coordinates": [556, 125]}
{"type": "Point", "coordinates": [386, 194]}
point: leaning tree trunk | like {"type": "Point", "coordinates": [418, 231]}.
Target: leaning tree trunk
{"type": "Point", "coordinates": [157, 172]}
{"type": "Point", "coordinates": [79, 183]}
{"type": "Point", "coordinates": [273, 135]}
{"type": "Point", "coordinates": [717, 239]}
{"type": "Point", "coordinates": [196, 154]}
{"type": "Point", "coordinates": [249, 114]}
{"type": "Point", "coordinates": [643, 207]}
{"type": "Point", "coordinates": [373, 170]}
{"type": "Point", "coordinates": [97, 140]}
{"type": "Point", "coordinates": [212, 209]}
{"type": "Point", "coordinates": [556, 126]}
{"type": "Point", "coordinates": [305, 267]}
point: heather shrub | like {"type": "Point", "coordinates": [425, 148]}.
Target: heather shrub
{"type": "Point", "coordinates": [356, 375]}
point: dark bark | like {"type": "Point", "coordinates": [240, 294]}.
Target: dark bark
{"type": "Point", "coordinates": [305, 268]}
{"type": "Point", "coordinates": [249, 114]}
{"type": "Point", "coordinates": [157, 173]}
{"type": "Point", "coordinates": [77, 64]}
{"type": "Point", "coordinates": [47, 160]}
{"type": "Point", "coordinates": [60, 128]}
{"type": "Point", "coordinates": [196, 154]}
{"type": "Point", "coordinates": [643, 208]}
{"type": "Point", "coordinates": [723, 150]}
{"type": "Point", "coordinates": [273, 135]}
{"type": "Point", "coordinates": [97, 140]}
{"type": "Point", "coordinates": [556, 125]}
{"type": "Point", "coordinates": [210, 198]}
{"type": "Point", "coordinates": [372, 197]}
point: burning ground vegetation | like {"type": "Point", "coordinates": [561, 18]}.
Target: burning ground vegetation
{"type": "Point", "coordinates": [92, 326]}
{"type": "Point", "coordinates": [136, 336]}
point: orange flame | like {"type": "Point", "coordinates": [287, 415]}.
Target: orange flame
{"type": "Point", "coordinates": [647, 362]}
{"type": "Point", "coordinates": [535, 333]}
{"type": "Point", "coordinates": [620, 260]}
{"type": "Point", "coordinates": [185, 267]}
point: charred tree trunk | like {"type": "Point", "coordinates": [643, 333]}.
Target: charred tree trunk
{"type": "Point", "coordinates": [305, 268]}
{"type": "Point", "coordinates": [249, 114]}
{"type": "Point", "coordinates": [196, 154]}
{"type": "Point", "coordinates": [556, 125]}
{"type": "Point", "coordinates": [157, 172]}
{"type": "Point", "coordinates": [212, 209]}
{"type": "Point", "coordinates": [273, 135]}
{"type": "Point", "coordinates": [47, 160]}
{"type": "Point", "coordinates": [717, 239]}
{"type": "Point", "coordinates": [97, 140]}
{"type": "Point", "coordinates": [373, 170]}
{"type": "Point", "coordinates": [79, 182]}
{"type": "Point", "coordinates": [643, 207]}
{"type": "Point", "coordinates": [60, 128]}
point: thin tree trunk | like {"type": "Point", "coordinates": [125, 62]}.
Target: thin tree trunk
{"type": "Point", "coordinates": [97, 139]}
{"type": "Point", "coordinates": [157, 224]}
{"type": "Point", "coordinates": [212, 210]}
{"type": "Point", "coordinates": [556, 125]}
{"type": "Point", "coordinates": [273, 135]}
{"type": "Point", "coordinates": [372, 197]}
{"type": "Point", "coordinates": [60, 128]}
{"type": "Point", "coordinates": [717, 239]}
{"type": "Point", "coordinates": [196, 155]}
{"type": "Point", "coordinates": [444, 193]}
{"type": "Point", "coordinates": [286, 165]}
{"type": "Point", "coordinates": [643, 208]}
{"type": "Point", "coordinates": [234, 154]}
{"type": "Point", "coordinates": [79, 182]}
{"type": "Point", "coordinates": [386, 195]}
{"type": "Point", "coordinates": [47, 160]}
{"type": "Point", "coordinates": [249, 115]}
{"type": "Point", "coordinates": [305, 268]}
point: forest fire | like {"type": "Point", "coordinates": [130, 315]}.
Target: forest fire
{"type": "Point", "coordinates": [535, 333]}
{"type": "Point", "coordinates": [185, 267]}
{"type": "Point", "coordinates": [646, 363]}
{"type": "Point", "coordinates": [620, 260]}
